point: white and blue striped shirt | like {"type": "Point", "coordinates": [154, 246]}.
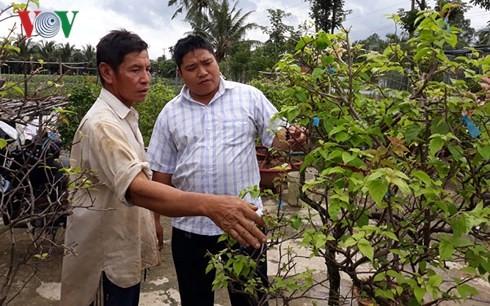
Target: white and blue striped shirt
{"type": "Point", "coordinates": [211, 148]}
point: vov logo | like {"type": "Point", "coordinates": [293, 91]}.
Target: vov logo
{"type": "Point", "coordinates": [47, 23]}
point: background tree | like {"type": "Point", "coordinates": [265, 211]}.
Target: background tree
{"type": "Point", "coordinates": [483, 36]}
{"type": "Point", "coordinates": [328, 14]}
{"type": "Point", "coordinates": [163, 67]}
{"type": "Point", "coordinates": [88, 52]}
{"type": "Point", "coordinates": [47, 50]}
{"type": "Point", "coordinates": [223, 26]}
{"type": "Point", "coordinates": [453, 14]}
{"type": "Point", "coordinates": [485, 4]}
{"type": "Point", "coordinates": [282, 37]}
{"type": "Point", "coordinates": [66, 53]}
{"type": "Point", "coordinates": [195, 9]}
{"type": "Point", "coordinates": [408, 17]}
{"type": "Point", "coordinates": [373, 43]}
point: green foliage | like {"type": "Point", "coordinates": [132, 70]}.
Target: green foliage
{"type": "Point", "coordinates": [222, 26]}
{"type": "Point", "coordinates": [328, 15]}
{"type": "Point", "coordinates": [482, 3]}
{"type": "Point", "coordinates": [158, 96]}
{"type": "Point", "coordinates": [82, 96]}
{"type": "Point", "coordinates": [278, 94]}
{"type": "Point", "coordinates": [403, 180]}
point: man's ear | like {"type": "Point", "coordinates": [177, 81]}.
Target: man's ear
{"type": "Point", "coordinates": [106, 72]}
{"type": "Point", "coordinates": [179, 72]}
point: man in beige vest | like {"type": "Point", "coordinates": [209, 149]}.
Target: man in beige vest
{"type": "Point", "coordinates": [112, 234]}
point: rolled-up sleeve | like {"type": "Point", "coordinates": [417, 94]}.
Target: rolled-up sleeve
{"type": "Point", "coordinates": [116, 161]}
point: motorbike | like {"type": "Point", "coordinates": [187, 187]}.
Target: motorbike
{"type": "Point", "coordinates": [32, 181]}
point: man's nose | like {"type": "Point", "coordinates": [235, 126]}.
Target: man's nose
{"type": "Point", "coordinates": [202, 71]}
{"type": "Point", "coordinates": [146, 77]}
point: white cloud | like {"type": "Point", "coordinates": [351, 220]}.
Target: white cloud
{"type": "Point", "coordinates": [151, 19]}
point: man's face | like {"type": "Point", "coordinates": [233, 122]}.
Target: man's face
{"type": "Point", "coordinates": [131, 82]}
{"type": "Point", "coordinates": [200, 73]}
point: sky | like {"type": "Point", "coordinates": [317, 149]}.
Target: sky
{"type": "Point", "coordinates": [151, 19]}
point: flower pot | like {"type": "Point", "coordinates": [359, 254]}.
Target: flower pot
{"type": "Point", "coordinates": [269, 176]}
{"type": "Point", "coordinates": [263, 152]}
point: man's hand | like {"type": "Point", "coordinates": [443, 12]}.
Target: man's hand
{"type": "Point", "coordinates": [289, 139]}
{"type": "Point", "coordinates": [239, 220]}
{"type": "Point", "coordinates": [485, 84]}
{"type": "Point", "coordinates": [159, 231]}
{"type": "Point", "coordinates": [296, 136]}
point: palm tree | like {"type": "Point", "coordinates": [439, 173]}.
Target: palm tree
{"type": "Point", "coordinates": [195, 9]}
{"type": "Point", "coordinates": [66, 53]}
{"type": "Point", "coordinates": [47, 50]}
{"type": "Point", "coordinates": [483, 35]}
{"type": "Point", "coordinates": [223, 27]}
{"type": "Point", "coordinates": [26, 48]}
{"type": "Point", "coordinates": [25, 52]}
{"type": "Point", "coordinates": [88, 52]}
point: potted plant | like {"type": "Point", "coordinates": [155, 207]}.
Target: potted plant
{"type": "Point", "coordinates": [274, 166]}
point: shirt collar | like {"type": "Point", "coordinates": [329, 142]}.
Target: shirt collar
{"type": "Point", "coordinates": [119, 108]}
{"type": "Point", "coordinates": [223, 86]}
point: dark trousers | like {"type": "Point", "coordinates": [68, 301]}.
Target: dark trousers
{"type": "Point", "coordinates": [190, 255]}
{"type": "Point", "coordinates": [114, 295]}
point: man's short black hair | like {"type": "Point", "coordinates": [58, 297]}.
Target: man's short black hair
{"type": "Point", "coordinates": [188, 44]}
{"type": "Point", "coordinates": [113, 47]}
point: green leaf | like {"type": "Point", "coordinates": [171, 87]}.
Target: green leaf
{"type": "Point", "coordinates": [484, 151]}
{"type": "Point", "coordinates": [327, 60]}
{"type": "Point", "coordinates": [422, 176]}
{"type": "Point", "coordinates": [347, 157]}
{"type": "Point", "coordinates": [317, 73]}
{"type": "Point", "coordinates": [363, 219]}
{"type": "Point", "coordinates": [334, 209]}
{"type": "Point", "coordinates": [237, 267]}
{"type": "Point", "coordinates": [390, 235]}
{"type": "Point", "coordinates": [366, 248]}
{"type": "Point", "coordinates": [349, 242]}
{"type": "Point", "coordinates": [467, 291]}
{"type": "Point", "coordinates": [296, 222]}
{"type": "Point", "coordinates": [412, 132]}
{"type": "Point", "coordinates": [458, 225]}
{"type": "Point", "coordinates": [446, 250]}
{"type": "Point", "coordinates": [303, 42]}
{"type": "Point", "coordinates": [323, 41]}
{"type": "Point", "coordinates": [456, 151]}
{"type": "Point", "coordinates": [419, 294]}
{"type": "Point", "coordinates": [439, 126]}
{"type": "Point", "coordinates": [401, 184]}
{"type": "Point", "coordinates": [435, 145]}
{"type": "Point", "coordinates": [377, 189]}
{"type": "Point", "coordinates": [435, 280]}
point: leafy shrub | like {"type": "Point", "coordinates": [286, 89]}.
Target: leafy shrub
{"type": "Point", "coordinates": [158, 96]}
{"type": "Point", "coordinates": [401, 190]}
{"type": "Point", "coordinates": [82, 96]}
{"type": "Point", "coordinates": [277, 93]}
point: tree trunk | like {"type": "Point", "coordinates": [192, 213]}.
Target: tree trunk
{"type": "Point", "coordinates": [333, 278]}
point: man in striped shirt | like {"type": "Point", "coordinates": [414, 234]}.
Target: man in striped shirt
{"type": "Point", "coordinates": [204, 141]}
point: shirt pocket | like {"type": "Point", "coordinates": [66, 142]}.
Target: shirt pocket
{"type": "Point", "coordinates": [235, 131]}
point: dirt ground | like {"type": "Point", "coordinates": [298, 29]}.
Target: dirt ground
{"type": "Point", "coordinates": [160, 286]}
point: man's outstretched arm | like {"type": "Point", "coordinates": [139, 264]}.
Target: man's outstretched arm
{"type": "Point", "coordinates": [233, 215]}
